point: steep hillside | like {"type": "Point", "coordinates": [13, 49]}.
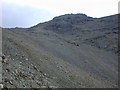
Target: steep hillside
{"type": "Point", "coordinates": [71, 50]}
{"type": "Point", "coordinates": [99, 32]}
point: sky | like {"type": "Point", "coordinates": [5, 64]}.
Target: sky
{"type": "Point", "coordinates": [27, 13]}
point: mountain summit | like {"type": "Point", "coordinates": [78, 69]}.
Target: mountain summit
{"type": "Point", "coordinates": [98, 32]}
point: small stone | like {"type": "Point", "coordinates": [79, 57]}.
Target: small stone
{"type": "Point", "coordinates": [35, 68]}
{"type": "Point", "coordinates": [31, 64]}
{"type": "Point", "coordinates": [11, 82]}
{"type": "Point", "coordinates": [7, 70]}
{"type": "Point", "coordinates": [3, 61]}
{"type": "Point", "coordinates": [23, 56]}
{"type": "Point", "coordinates": [57, 66]}
{"type": "Point", "coordinates": [41, 60]}
{"type": "Point", "coordinates": [26, 59]}
{"type": "Point", "coordinates": [45, 74]}
{"type": "Point", "coordinates": [1, 85]}
{"type": "Point", "coordinates": [3, 57]}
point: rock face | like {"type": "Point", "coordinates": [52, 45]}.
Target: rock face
{"type": "Point", "coordinates": [72, 50]}
{"type": "Point", "coordinates": [99, 32]}
{"type": "Point", "coordinates": [64, 24]}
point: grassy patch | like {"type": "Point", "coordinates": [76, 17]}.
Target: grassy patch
{"type": "Point", "coordinates": [71, 77]}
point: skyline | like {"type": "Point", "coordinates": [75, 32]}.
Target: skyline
{"type": "Point", "coordinates": [20, 13]}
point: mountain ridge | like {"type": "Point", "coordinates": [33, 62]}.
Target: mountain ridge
{"type": "Point", "coordinates": [79, 54]}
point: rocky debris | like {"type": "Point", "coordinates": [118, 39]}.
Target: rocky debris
{"type": "Point", "coordinates": [103, 43]}
{"type": "Point", "coordinates": [26, 74]}
{"type": "Point", "coordinates": [40, 58]}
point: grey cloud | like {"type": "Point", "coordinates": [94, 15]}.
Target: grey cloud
{"type": "Point", "coordinates": [17, 16]}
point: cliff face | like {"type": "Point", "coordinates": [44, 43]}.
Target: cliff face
{"type": "Point", "coordinates": [71, 50]}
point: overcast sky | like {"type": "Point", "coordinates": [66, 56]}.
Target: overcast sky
{"type": "Point", "coordinates": [26, 13]}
